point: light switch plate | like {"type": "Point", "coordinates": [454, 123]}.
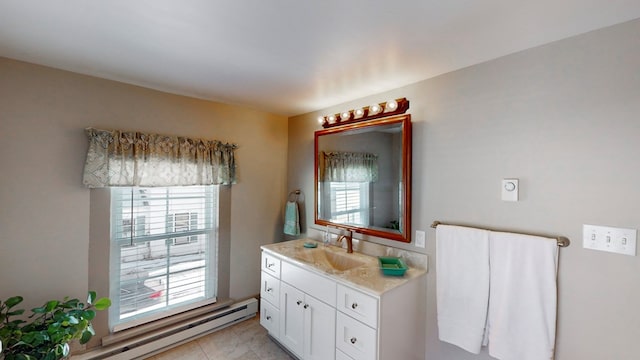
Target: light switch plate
{"type": "Point", "coordinates": [510, 189]}
{"type": "Point", "coordinates": [420, 240]}
{"type": "Point", "coordinates": [610, 239]}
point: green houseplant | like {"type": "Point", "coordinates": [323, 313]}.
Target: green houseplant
{"type": "Point", "coordinates": [49, 329]}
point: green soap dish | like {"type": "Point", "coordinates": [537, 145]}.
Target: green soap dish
{"type": "Point", "coordinates": [392, 266]}
{"type": "Point", "coordinates": [310, 245]}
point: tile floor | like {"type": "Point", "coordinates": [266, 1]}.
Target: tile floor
{"type": "Point", "coordinates": [246, 340]}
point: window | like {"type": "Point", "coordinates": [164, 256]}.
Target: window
{"type": "Point", "coordinates": [350, 202]}
{"type": "Point", "coordinates": [163, 251]}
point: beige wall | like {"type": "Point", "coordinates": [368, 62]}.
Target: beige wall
{"type": "Point", "coordinates": [563, 118]}
{"type": "Point", "coordinates": [44, 209]}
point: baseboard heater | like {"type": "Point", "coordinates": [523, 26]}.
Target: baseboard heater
{"type": "Point", "coordinates": [166, 338]}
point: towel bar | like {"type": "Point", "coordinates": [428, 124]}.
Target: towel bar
{"type": "Point", "coordinates": [562, 241]}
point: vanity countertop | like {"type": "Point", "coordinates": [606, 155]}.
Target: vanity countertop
{"type": "Point", "coordinates": [366, 275]}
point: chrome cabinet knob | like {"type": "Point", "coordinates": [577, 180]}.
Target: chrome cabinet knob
{"type": "Point", "coordinates": [354, 306]}
{"type": "Point", "coordinates": [353, 340]}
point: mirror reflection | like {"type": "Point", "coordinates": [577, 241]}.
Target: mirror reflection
{"type": "Point", "coordinates": [362, 176]}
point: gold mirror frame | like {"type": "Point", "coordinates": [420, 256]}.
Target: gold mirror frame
{"type": "Point", "coordinates": [404, 233]}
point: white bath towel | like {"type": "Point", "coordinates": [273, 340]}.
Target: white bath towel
{"type": "Point", "coordinates": [462, 266]}
{"type": "Point", "coordinates": [521, 323]}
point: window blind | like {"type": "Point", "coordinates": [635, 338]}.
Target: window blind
{"type": "Point", "coordinates": [163, 250]}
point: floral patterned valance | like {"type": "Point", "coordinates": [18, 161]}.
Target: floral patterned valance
{"type": "Point", "coordinates": [127, 158]}
{"type": "Point", "coordinates": [348, 167]}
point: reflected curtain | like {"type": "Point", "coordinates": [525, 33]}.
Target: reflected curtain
{"type": "Point", "coordinates": [348, 167]}
{"type": "Point", "coordinates": [127, 158]}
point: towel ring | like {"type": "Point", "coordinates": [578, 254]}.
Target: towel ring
{"type": "Point", "coordinates": [295, 194]}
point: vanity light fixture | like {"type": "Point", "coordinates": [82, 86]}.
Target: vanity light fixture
{"type": "Point", "coordinates": [391, 107]}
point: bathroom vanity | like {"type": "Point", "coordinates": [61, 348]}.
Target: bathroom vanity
{"type": "Point", "coordinates": [322, 303]}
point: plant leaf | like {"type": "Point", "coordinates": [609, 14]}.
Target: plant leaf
{"type": "Point", "coordinates": [86, 336]}
{"type": "Point", "coordinates": [17, 312]}
{"type": "Point", "coordinates": [89, 315]}
{"type": "Point", "coordinates": [92, 297]}
{"type": "Point", "coordinates": [13, 301]}
{"type": "Point", "coordinates": [51, 305]}
{"type": "Point", "coordinates": [102, 303]}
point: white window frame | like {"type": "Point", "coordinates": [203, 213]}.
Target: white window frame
{"type": "Point", "coordinates": [144, 235]}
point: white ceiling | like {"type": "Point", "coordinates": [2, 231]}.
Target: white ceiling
{"type": "Point", "coordinates": [287, 56]}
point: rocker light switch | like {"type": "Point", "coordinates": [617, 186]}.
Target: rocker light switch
{"type": "Point", "coordinates": [510, 189]}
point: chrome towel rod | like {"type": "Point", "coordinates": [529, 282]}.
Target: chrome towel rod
{"type": "Point", "coordinates": [562, 241]}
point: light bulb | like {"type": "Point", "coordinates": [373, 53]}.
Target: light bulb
{"type": "Point", "coordinates": [391, 105]}
{"type": "Point", "coordinates": [320, 120]}
{"type": "Point", "coordinates": [358, 113]}
{"type": "Point", "coordinates": [374, 109]}
{"type": "Point", "coordinates": [331, 118]}
{"type": "Point", "coordinates": [345, 116]}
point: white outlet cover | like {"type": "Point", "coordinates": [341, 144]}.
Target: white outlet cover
{"type": "Point", "coordinates": [420, 240]}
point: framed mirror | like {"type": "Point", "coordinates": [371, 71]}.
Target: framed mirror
{"type": "Point", "coordinates": [363, 177]}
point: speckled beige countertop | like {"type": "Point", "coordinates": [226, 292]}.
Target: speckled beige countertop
{"type": "Point", "coordinates": [367, 277]}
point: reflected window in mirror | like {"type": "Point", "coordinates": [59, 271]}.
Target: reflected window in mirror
{"type": "Point", "coordinates": [349, 202]}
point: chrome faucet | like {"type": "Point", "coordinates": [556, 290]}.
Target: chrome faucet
{"type": "Point", "coordinates": [349, 239]}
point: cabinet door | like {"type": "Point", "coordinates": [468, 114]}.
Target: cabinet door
{"type": "Point", "coordinates": [320, 327]}
{"type": "Point", "coordinates": [291, 318]}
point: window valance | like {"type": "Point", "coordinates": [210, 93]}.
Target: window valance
{"type": "Point", "coordinates": [128, 158]}
{"type": "Point", "coordinates": [348, 167]}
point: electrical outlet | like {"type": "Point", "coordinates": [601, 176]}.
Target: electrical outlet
{"type": "Point", "coordinates": [420, 240]}
{"type": "Point", "coordinates": [610, 239]}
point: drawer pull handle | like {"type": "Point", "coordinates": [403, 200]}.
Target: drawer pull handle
{"type": "Point", "coordinates": [269, 289]}
{"type": "Point", "coordinates": [306, 306]}
{"type": "Point", "coordinates": [271, 265]}
{"type": "Point", "coordinates": [354, 306]}
{"type": "Point", "coordinates": [268, 317]}
{"type": "Point", "coordinates": [353, 340]}
{"type": "Point", "coordinates": [298, 302]}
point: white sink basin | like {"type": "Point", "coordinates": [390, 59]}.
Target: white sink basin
{"type": "Point", "coordinates": [329, 260]}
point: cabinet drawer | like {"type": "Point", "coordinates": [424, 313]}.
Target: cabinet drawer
{"type": "Point", "coordinates": [270, 289]}
{"type": "Point", "coordinates": [342, 356]}
{"type": "Point", "coordinates": [270, 318]}
{"type": "Point", "coordinates": [310, 283]}
{"type": "Point", "coordinates": [358, 305]}
{"type": "Point", "coordinates": [271, 264]}
{"type": "Point", "coordinates": [355, 338]}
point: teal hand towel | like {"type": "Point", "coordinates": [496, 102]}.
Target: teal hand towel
{"type": "Point", "coordinates": [291, 219]}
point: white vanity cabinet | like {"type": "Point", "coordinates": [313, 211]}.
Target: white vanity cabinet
{"type": "Point", "coordinates": [322, 316]}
